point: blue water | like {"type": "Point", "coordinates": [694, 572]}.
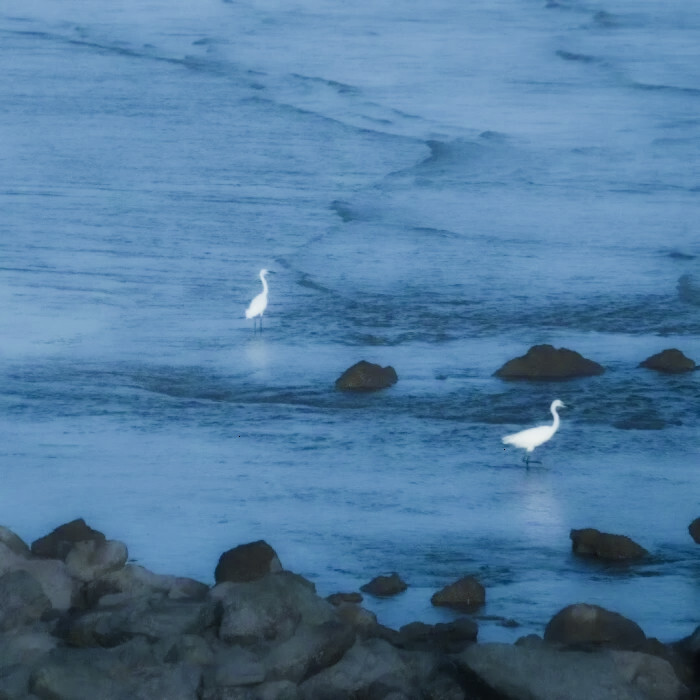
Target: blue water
{"type": "Point", "coordinates": [438, 187]}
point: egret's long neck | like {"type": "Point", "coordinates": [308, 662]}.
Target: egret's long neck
{"type": "Point", "coordinates": [555, 425]}
{"type": "Point", "coordinates": [262, 279]}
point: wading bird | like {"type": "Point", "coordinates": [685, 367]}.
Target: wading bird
{"type": "Point", "coordinates": [534, 437]}
{"type": "Point", "coordinates": [259, 304]}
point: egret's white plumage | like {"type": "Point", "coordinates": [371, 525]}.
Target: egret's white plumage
{"type": "Point", "coordinates": [534, 437]}
{"type": "Point", "coordinates": [259, 304]}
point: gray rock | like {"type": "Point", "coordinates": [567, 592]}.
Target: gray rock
{"type": "Point", "coordinates": [366, 376]}
{"type": "Point", "coordinates": [235, 666]}
{"type": "Point", "coordinates": [14, 542]}
{"type": "Point", "coordinates": [544, 362]}
{"type": "Point", "coordinates": [90, 559]}
{"type": "Point", "coordinates": [311, 649]}
{"type": "Point", "coordinates": [340, 598]}
{"type": "Point", "coordinates": [547, 674]}
{"type": "Point", "coordinates": [247, 562]}
{"type": "Point", "coordinates": [133, 580]}
{"type": "Point", "coordinates": [58, 586]}
{"type": "Point", "coordinates": [272, 690]}
{"type": "Point", "coordinates": [465, 594]}
{"type": "Point", "coordinates": [22, 600]}
{"type": "Point", "coordinates": [592, 542]}
{"type": "Point", "coordinates": [671, 361]}
{"type": "Point", "coordinates": [590, 624]}
{"type": "Point", "coordinates": [363, 621]}
{"type": "Point", "coordinates": [20, 652]}
{"type": "Point", "coordinates": [448, 637]}
{"type": "Point", "coordinates": [190, 649]}
{"type": "Point", "coordinates": [385, 585]}
{"type": "Point", "coordinates": [155, 619]}
{"type": "Point", "coordinates": [58, 543]}
{"type": "Point", "coordinates": [367, 663]}
{"type": "Point", "coordinates": [694, 530]}
{"type": "Point", "coordinates": [268, 609]}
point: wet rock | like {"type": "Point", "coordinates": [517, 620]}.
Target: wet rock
{"type": "Point", "coordinates": [694, 530]}
{"type": "Point", "coordinates": [365, 376]}
{"type": "Point", "coordinates": [268, 609]}
{"type": "Point", "coordinates": [383, 586]}
{"type": "Point", "coordinates": [592, 542]}
{"type": "Point", "coordinates": [465, 594]}
{"type": "Point", "coordinates": [363, 621]}
{"type": "Point", "coordinates": [583, 624]}
{"type": "Point", "coordinates": [22, 600]}
{"type": "Point", "coordinates": [339, 598]}
{"type": "Point", "coordinates": [13, 542]}
{"type": "Point", "coordinates": [90, 559]}
{"type": "Point", "coordinates": [548, 674]}
{"type": "Point", "coordinates": [544, 362]}
{"type": "Point", "coordinates": [58, 543]}
{"type": "Point", "coordinates": [247, 562]}
{"type": "Point", "coordinates": [671, 361]}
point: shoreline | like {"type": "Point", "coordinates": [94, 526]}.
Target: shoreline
{"type": "Point", "coordinates": [77, 620]}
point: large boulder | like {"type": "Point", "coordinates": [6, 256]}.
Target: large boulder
{"type": "Point", "coordinates": [247, 562]}
{"type": "Point", "coordinates": [58, 543]}
{"type": "Point", "coordinates": [694, 530]}
{"type": "Point", "coordinates": [548, 674]}
{"type": "Point", "coordinates": [448, 637]}
{"type": "Point", "coordinates": [384, 586]}
{"type": "Point", "coordinates": [465, 594]}
{"type": "Point", "coordinates": [544, 362]}
{"type": "Point", "coordinates": [671, 361]}
{"type": "Point", "coordinates": [365, 376]}
{"type": "Point", "coordinates": [270, 609]}
{"type": "Point", "coordinates": [583, 624]}
{"type": "Point", "coordinates": [592, 542]}
{"type": "Point", "coordinates": [13, 542]}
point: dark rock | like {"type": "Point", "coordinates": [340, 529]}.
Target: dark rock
{"type": "Point", "coordinates": [670, 361]}
{"type": "Point", "coordinates": [22, 600]}
{"type": "Point", "coordinates": [247, 562]}
{"type": "Point", "coordinates": [448, 637]}
{"type": "Point", "coordinates": [365, 376]}
{"type": "Point", "coordinates": [510, 671]}
{"type": "Point", "coordinates": [269, 609]}
{"type": "Point", "coordinates": [544, 362]}
{"type": "Point", "coordinates": [583, 624]}
{"type": "Point", "coordinates": [338, 598]}
{"type": "Point", "coordinates": [465, 594]}
{"type": "Point", "coordinates": [363, 621]}
{"type": "Point", "coordinates": [592, 542]}
{"type": "Point", "coordinates": [694, 530]}
{"type": "Point", "coordinates": [385, 585]}
{"type": "Point", "coordinates": [58, 543]}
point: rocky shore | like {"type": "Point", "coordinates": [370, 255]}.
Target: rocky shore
{"type": "Point", "coordinates": [79, 621]}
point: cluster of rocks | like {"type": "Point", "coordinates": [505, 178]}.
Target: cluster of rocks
{"type": "Point", "coordinates": [77, 620]}
{"type": "Point", "coordinates": [541, 362]}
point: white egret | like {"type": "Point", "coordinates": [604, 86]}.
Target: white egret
{"type": "Point", "coordinates": [259, 304]}
{"type": "Point", "coordinates": [534, 437]}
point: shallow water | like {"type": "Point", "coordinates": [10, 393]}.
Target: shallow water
{"type": "Point", "coordinates": [436, 189]}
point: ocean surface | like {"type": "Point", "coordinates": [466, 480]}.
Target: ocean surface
{"type": "Point", "coordinates": [437, 186]}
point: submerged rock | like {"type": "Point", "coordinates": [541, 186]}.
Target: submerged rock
{"type": "Point", "coordinates": [247, 562]}
{"type": "Point", "coordinates": [671, 361]}
{"type": "Point", "coordinates": [340, 598]}
{"type": "Point", "coordinates": [385, 585]}
{"type": "Point", "coordinates": [544, 362]}
{"type": "Point", "coordinates": [590, 624]}
{"type": "Point", "coordinates": [465, 594]}
{"type": "Point", "coordinates": [694, 530]}
{"type": "Point", "coordinates": [365, 376]}
{"type": "Point", "coordinates": [592, 542]}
